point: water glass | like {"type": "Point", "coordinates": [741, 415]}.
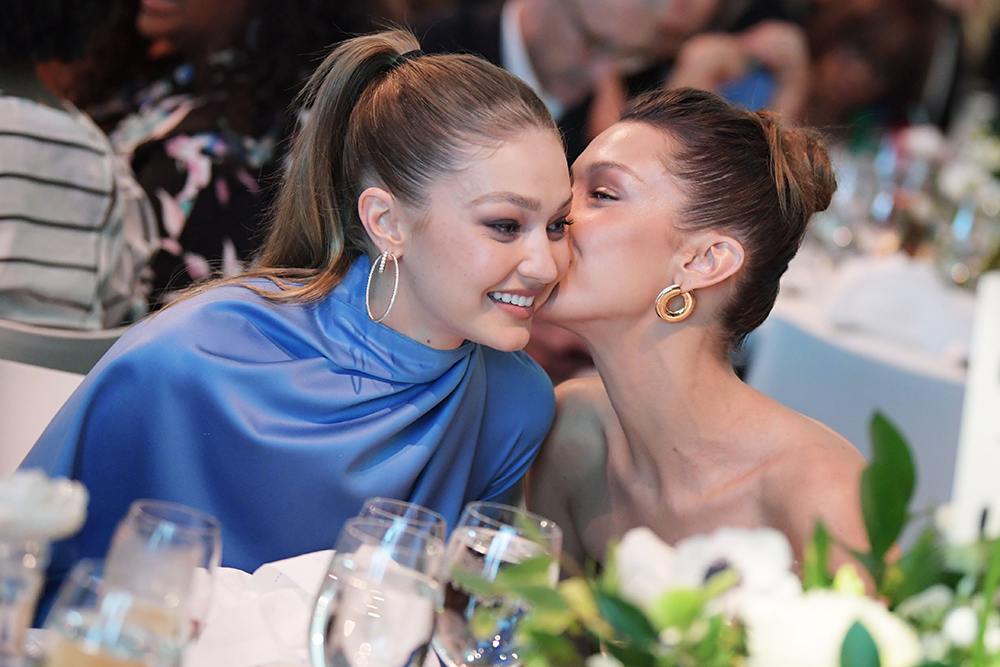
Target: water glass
{"type": "Point", "coordinates": [416, 516]}
{"type": "Point", "coordinates": [488, 538]}
{"type": "Point", "coordinates": [377, 604]}
{"type": "Point", "coordinates": [22, 572]}
{"type": "Point", "coordinates": [166, 553]}
{"type": "Point", "coordinates": [95, 624]}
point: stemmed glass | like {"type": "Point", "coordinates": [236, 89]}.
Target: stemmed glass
{"type": "Point", "coordinates": [489, 537]}
{"type": "Point", "coordinates": [165, 553]}
{"type": "Point", "coordinates": [377, 604]}
{"type": "Point", "coordinates": [416, 516]}
{"type": "Point", "coordinates": [96, 624]}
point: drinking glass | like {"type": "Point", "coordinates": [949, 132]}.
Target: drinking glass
{"type": "Point", "coordinates": [96, 624]}
{"type": "Point", "coordinates": [166, 552]}
{"type": "Point", "coordinates": [377, 604]}
{"type": "Point", "coordinates": [489, 537]}
{"type": "Point", "coordinates": [416, 516]}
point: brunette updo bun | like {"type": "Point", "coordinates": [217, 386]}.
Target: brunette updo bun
{"type": "Point", "coordinates": [747, 175]}
{"type": "Point", "coordinates": [803, 174]}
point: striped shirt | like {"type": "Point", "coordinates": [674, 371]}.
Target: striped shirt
{"type": "Point", "coordinates": [76, 231]}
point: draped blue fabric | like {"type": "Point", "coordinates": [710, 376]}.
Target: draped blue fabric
{"type": "Point", "coordinates": [280, 420]}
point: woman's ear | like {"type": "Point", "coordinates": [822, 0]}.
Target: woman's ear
{"type": "Point", "coordinates": [384, 219]}
{"type": "Point", "coordinates": [713, 258]}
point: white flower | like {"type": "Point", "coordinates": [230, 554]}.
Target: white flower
{"type": "Point", "coordinates": [761, 557]}
{"type": "Point", "coordinates": [601, 660]}
{"type": "Point", "coordinates": [809, 630]}
{"type": "Point", "coordinates": [933, 600]}
{"type": "Point", "coordinates": [645, 566]}
{"type": "Point", "coordinates": [32, 506]}
{"type": "Point", "coordinates": [961, 626]}
{"type": "Point", "coordinates": [935, 646]}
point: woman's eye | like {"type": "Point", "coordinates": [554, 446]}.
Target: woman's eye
{"type": "Point", "coordinates": [505, 227]}
{"type": "Point", "coordinates": [558, 227]}
{"type": "Point", "coordinates": [603, 194]}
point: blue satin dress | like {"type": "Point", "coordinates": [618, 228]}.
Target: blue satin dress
{"type": "Point", "coordinates": [280, 420]}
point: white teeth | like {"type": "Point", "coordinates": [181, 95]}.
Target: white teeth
{"type": "Point", "coordinates": [515, 299]}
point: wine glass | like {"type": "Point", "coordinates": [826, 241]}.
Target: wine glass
{"type": "Point", "coordinates": [416, 516]}
{"type": "Point", "coordinates": [96, 624]}
{"type": "Point", "coordinates": [164, 551]}
{"type": "Point", "coordinates": [377, 604]}
{"type": "Point", "coordinates": [489, 537]}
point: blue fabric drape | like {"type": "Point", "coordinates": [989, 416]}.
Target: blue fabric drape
{"type": "Point", "coordinates": [281, 419]}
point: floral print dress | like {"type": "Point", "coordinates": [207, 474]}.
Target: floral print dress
{"type": "Point", "coordinates": [207, 183]}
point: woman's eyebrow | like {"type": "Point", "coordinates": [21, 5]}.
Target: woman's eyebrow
{"type": "Point", "coordinates": [529, 203]}
{"type": "Point", "coordinates": [598, 167]}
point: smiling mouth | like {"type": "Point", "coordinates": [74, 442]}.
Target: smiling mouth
{"type": "Point", "coordinates": [513, 299]}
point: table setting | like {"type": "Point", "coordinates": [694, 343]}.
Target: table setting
{"type": "Point", "coordinates": [396, 590]}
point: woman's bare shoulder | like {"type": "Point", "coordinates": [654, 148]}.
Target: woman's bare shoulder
{"type": "Point", "coordinates": [816, 476]}
{"type": "Point", "coordinates": [572, 461]}
{"type": "Point", "coordinates": [578, 436]}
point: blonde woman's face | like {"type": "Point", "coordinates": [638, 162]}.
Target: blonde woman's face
{"type": "Point", "coordinates": [491, 244]}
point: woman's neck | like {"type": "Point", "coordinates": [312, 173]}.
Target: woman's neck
{"type": "Point", "coordinates": [678, 402]}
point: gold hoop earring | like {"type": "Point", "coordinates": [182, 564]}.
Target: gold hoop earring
{"type": "Point", "coordinates": [663, 307]}
{"type": "Point", "coordinates": [380, 265]}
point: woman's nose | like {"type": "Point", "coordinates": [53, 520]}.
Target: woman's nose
{"type": "Point", "coordinates": [539, 263]}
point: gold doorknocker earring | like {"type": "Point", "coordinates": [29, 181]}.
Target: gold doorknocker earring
{"type": "Point", "coordinates": [380, 265]}
{"type": "Point", "coordinates": [663, 307]}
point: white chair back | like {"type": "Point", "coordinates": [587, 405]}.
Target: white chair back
{"type": "Point", "coordinates": [39, 369]}
{"type": "Point", "coordinates": [975, 505]}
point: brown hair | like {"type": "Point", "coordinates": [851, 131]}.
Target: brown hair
{"type": "Point", "coordinates": [375, 117]}
{"type": "Point", "coordinates": [747, 175]}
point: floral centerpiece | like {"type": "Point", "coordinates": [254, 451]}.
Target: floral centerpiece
{"type": "Point", "coordinates": [731, 598]}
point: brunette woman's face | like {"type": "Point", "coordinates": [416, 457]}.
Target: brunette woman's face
{"type": "Point", "coordinates": [625, 238]}
{"type": "Point", "coordinates": [193, 25]}
{"type": "Point", "coordinates": [491, 244]}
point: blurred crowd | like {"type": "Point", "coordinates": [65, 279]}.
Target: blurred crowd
{"type": "Point", "coordinates": [139, 140]}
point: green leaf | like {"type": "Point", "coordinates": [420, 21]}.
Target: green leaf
{"type": "Point", "coordinates": [859, 649]}
{"type": "Point", "coordinates": [677, 608]}
{"type": "Point", "coordinates": [631, 656]}
{"type": "Point", "coordinates": [990, 585]}
{"type": "Point", "coordinates": [627, 620]}
{"type": "Point", "coordinates": [472, 584]}
{"type": "Point", "coordinates": [529, 572]}
{"type": "Point", "coordinates": [815, 565]}
{"type": "Point", "coordinates": [918, 570]}
{"type": "Point", "coordinates": [886, 488]}
{"type": "Point", "coordinates": [608, 581]}
{"type": "Point", "coordinates": [560, 651]}
{"type": "Point", "coordinates": [579, 595]}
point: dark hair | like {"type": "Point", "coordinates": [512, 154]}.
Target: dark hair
{"type": "Point", "coordinates": [743, 173]}
{"type": "Point", "coordinates": [374, 117]}
{"type": "Point", "coordinates": [277, 50]}
{"type": "Point", "coordinates": [895, 37]}
{"type": "Point", "coordinates": [34, 31]}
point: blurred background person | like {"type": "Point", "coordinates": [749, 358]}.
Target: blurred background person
{"type": "Point", "coordinates": [76, 231]}
{"type": "Point", "coordinates": [585, 57]}
{"type": "Point", "coordinates": [206, 138]}
{"type": "Point", "coordinates": [851, 58]}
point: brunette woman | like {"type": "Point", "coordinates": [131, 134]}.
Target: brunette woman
{"type": "Point", "coordinates": [686, 214]}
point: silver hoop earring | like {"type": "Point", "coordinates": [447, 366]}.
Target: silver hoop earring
{"type": "Point", "coordinates": [380, 265]}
